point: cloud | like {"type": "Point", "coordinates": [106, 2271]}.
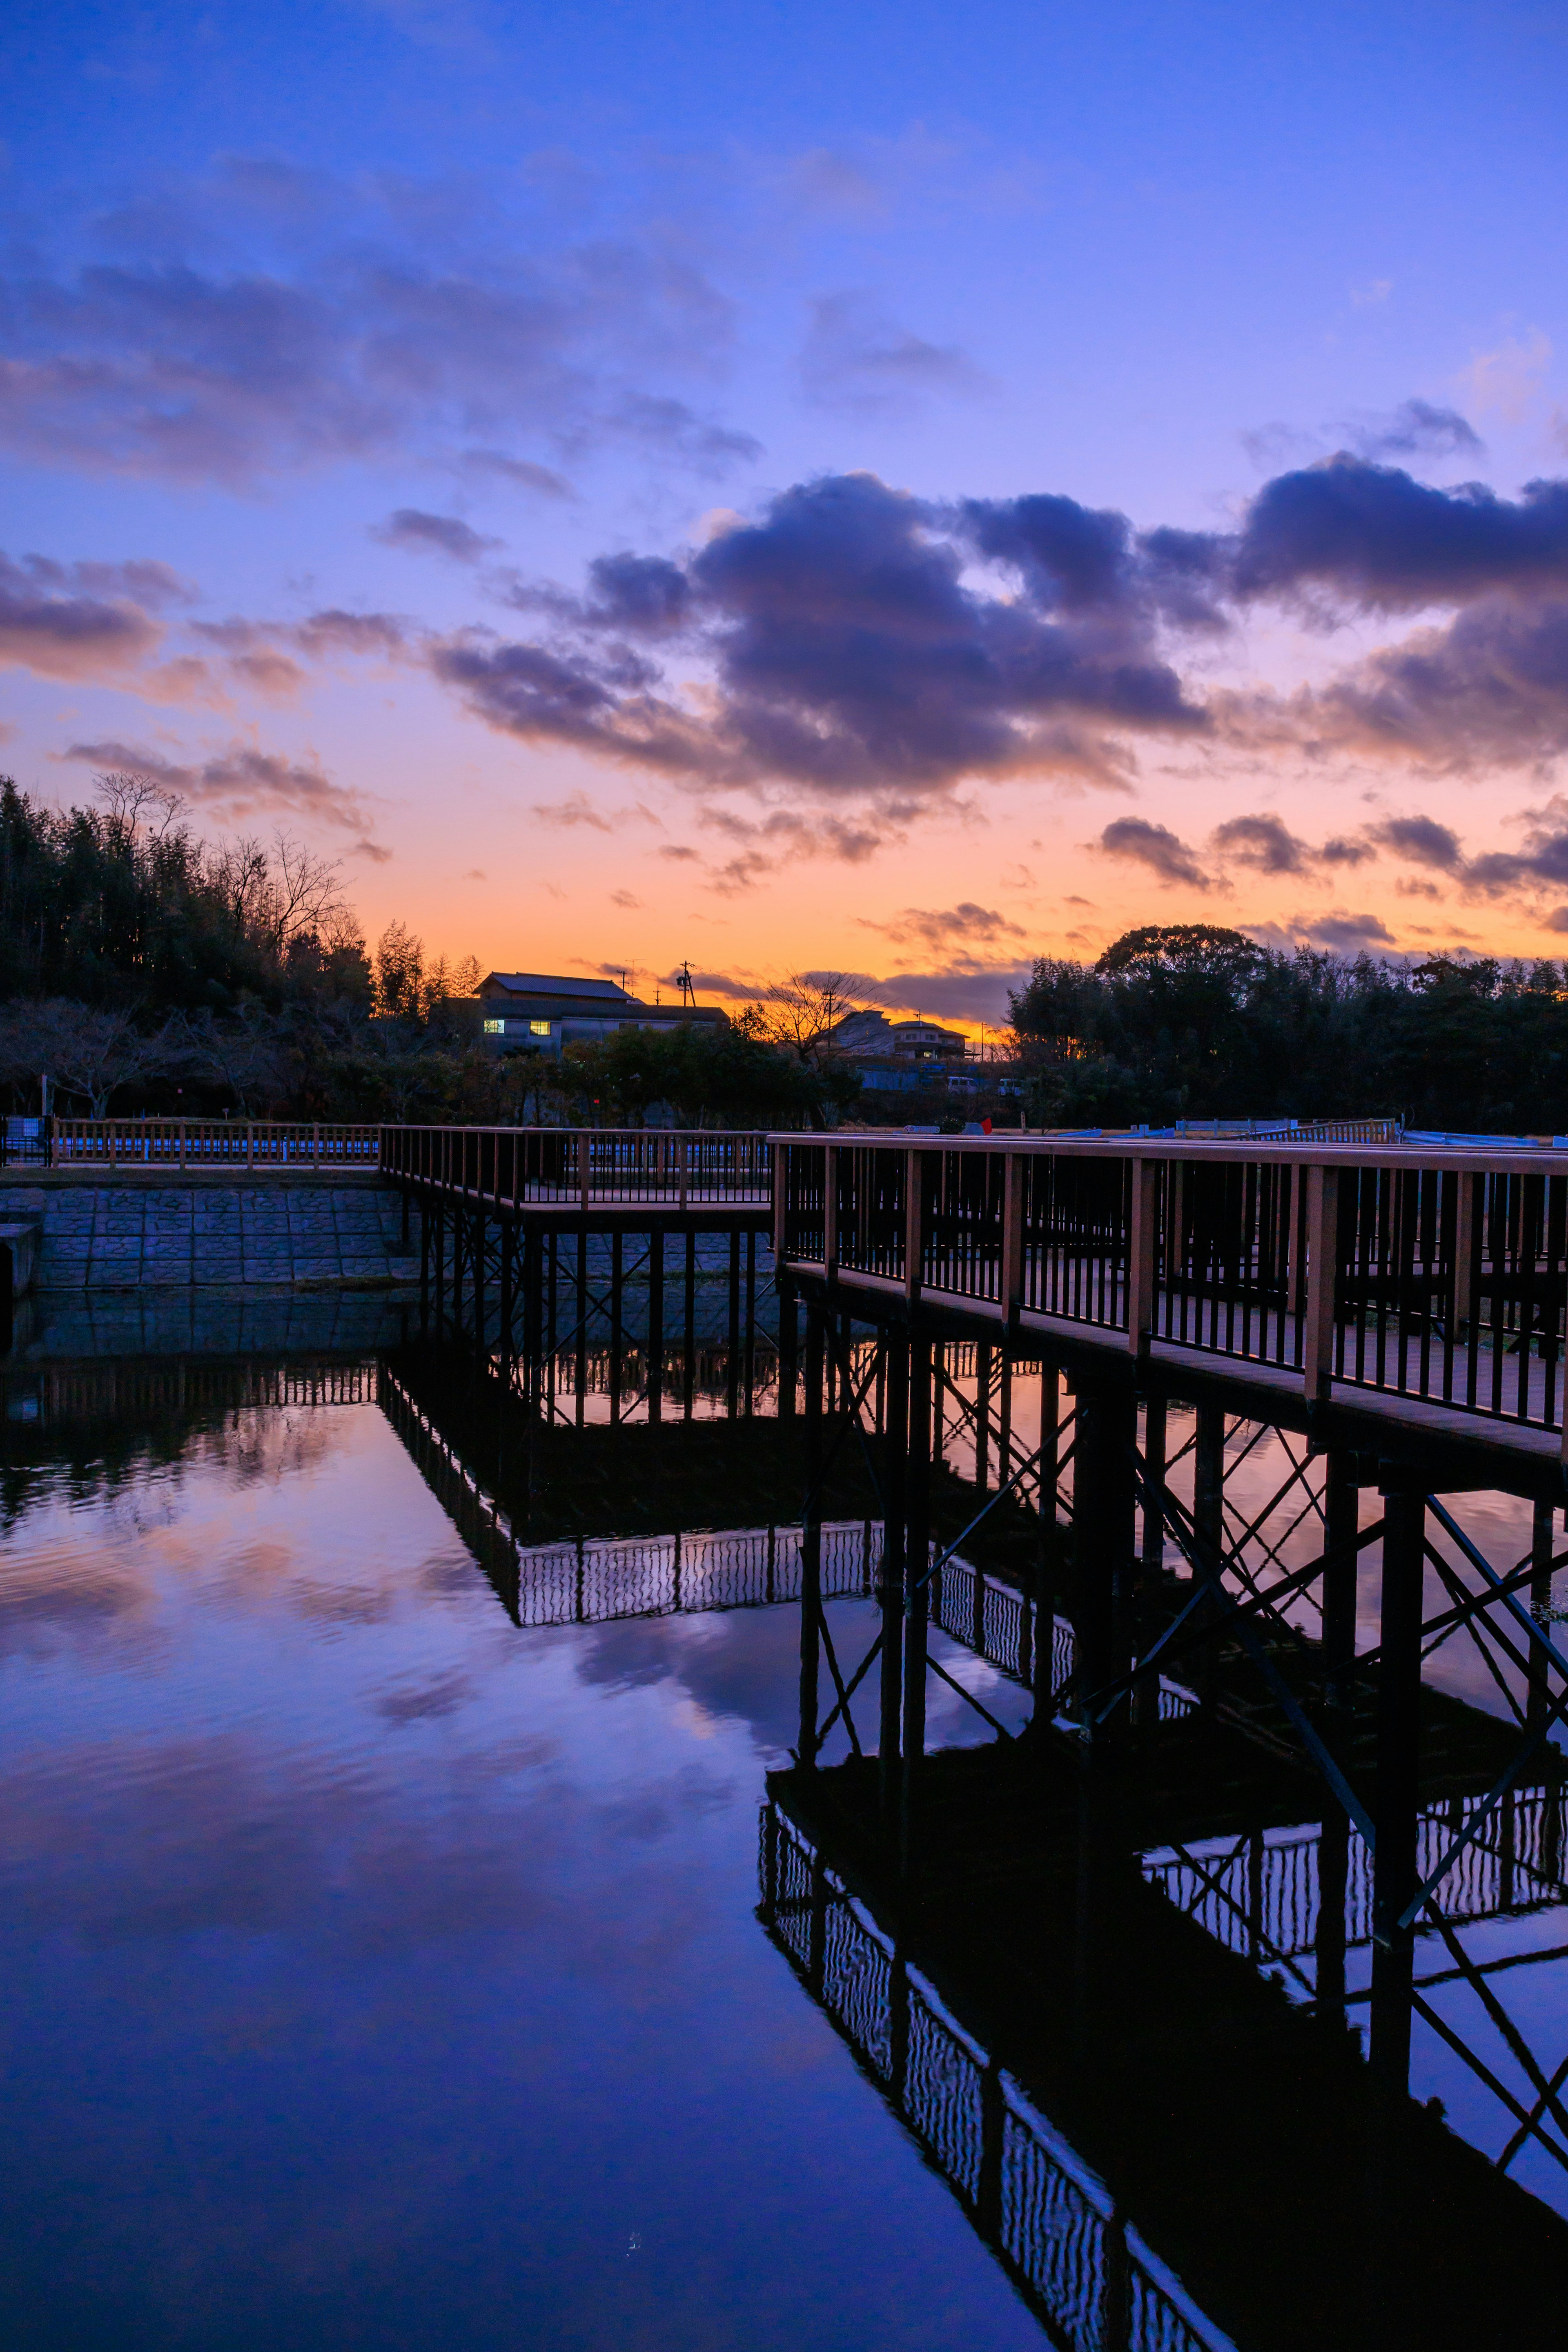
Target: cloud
{"type": "Point", "coordinates": [521, 472]}
{"type": "Point", "coordinates": [1264, 843]}
{"type": "Point", "coordinates": [847, 652]}
{"type": "Point", "coordinates": [428, 534]}
{"type": "Point", "coordinates": [1508, 379]}
{"type": "Point", "coordinates": [857, 359]}
{"type": "Point", "coordinates": [1490, 688]}
{"type": "Point", "coordinates": [1380, 540]}
{"type": "Point", "coordinates": [1417, 428]}
{"type": "Point", "coordinates": [49, 625]}
{"type": "Point", "coordinates": [859, 644]}
{"type": "Point", "coordinates": [1423, 840]}
{"type": "Point", "coordinates": [939, 928]}
{"type": "Point", "coordinates": [624, 898]}
{"type": "Point", "coordinates": [964, 991]}
{"type": "Point", "coordinates": [267, 318]}
{"type": "Point", "coordinates": [377, 854]}
{"type": "Point", "coordinates": [1140, 843]}
{"type": "Point", "coordinates": [575, 809]}
{"type": "Point", "coordinates": [1342, 933]}
{"type": "Point", "coordinates": [269, 657]}
{"type": "Point", "coordinates": [238, 782]}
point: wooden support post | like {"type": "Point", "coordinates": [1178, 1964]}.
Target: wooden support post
{"type": "Point", "coordinates": [1209, 1480]}
{"type": "Point", "coordinates": [811, 1540]}
{"type": "Point", "coordinates": [1395, 1865]}
{"type": "Point", "coordinates": [1142, 1254]}
{"type": "Point", "coordinates": [789, 1344]}
{"type": "Point", "coordinates": [618, 1273]}
{"type": "Point", "coordinates": [582, 1366]}
{"type": "Point", "coordinates": [895, 1475]}
{"type": "Point", "coordinates": [476, 1231]}
{"type": "Point", "coordinates": [983, 1362]}
{"type": "Point", "coordinates": [683, 1166]}
{"type": "Point", "coordinates": [1333, 1877]}
{"type": "Point", "coordinates": [1104, 1532]}
{"type": "Point", "coordinates": [1154, 1469]}
{"type": "Point", "coordinates": [732, 1349]}
{"type": "Point", "coordinates": [582, 1170]}
{"type": "Point", "coordinates": [1342, 1524]}
{"type": "Point", "coordinates": [654, 1326]}
{"type": "Point", "coordinates": [1322, 1279]}
{"type": "Point", "coordinates": [917, 1559]}
{"type": "Point", "coordinates": [1045, 1562]}
{"type": "Point", "coordinates": [1541, 1547]}
{"type": "Point", "coordinates": [533, 1243]}
{"type": "Point", "coordinates": [505, 1337]}
{"type": "Point", "coordinates": [751, 1317]}
{"type": "Point", "coordinates": [688, 1367]}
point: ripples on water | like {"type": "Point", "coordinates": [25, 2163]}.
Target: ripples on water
{"type": "Point", "coordinates": [373, 1974]}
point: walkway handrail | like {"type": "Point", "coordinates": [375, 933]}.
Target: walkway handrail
{"type": "Point", "coordinates": [1438, 1272]}
{"type": "Point", "coordinates": [233, 1144]}
{"type": "Point", "coordinates": [532, 1167]}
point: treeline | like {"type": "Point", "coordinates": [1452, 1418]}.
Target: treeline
{"type": "Point", "coordinates": [144, 968]}
{"type": "Point", "coordinates": [1193, 1021]}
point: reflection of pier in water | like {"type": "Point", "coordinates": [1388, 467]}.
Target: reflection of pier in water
{"type": "Point", "coordinates": [1164, 2144]}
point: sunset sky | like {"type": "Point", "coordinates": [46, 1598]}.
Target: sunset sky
{"type": "Point", "coordinates": [890, 489]}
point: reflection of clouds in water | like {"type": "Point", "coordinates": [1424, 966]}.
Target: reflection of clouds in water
{"type": "Point", "coordinates": [442, 1693]}
{"type": "Point", "coordinates": [45, 1604]}
{"type": "Point", "coordinates": [350, 1908]}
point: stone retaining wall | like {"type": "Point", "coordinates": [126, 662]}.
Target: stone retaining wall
{"type": "Point", "coordinates": [299, 1235]}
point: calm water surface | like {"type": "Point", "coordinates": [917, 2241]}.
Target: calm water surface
{"type": "Point", "coordinates": [373, 1974]}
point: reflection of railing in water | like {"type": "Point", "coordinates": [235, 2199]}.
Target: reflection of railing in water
{"type": "Point", "coordinates": [1258, 1896]}
{"type": "Point", "coordinates": [593, 1581]}
{"type": "Point", "coordinates": [607, 1372]}
{"type": "Point", "coordinates": [56, 1392]}
{"type": "Point", "coordinates": [1073, 2257]}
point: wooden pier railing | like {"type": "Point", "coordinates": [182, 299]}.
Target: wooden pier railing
{"type": "Point", "coordinates": [1437, 1274]}
{"type": "Point", "coordinates": [519, 1168]}
{"type": "Point", "coordinates": [209, 1142]}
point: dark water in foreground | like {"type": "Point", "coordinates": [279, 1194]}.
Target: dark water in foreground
{"type": "Point", "coordinates": [375, 1974]}
{"type": "Point", "coordinates": [377, 1971]}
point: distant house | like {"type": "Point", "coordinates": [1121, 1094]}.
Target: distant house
{"type": "Point", "coordinates": [900, 1055]}
{"type": "Point", "coordinates": [546, 1010]}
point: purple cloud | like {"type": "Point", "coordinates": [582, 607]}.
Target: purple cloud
{"type": "Point", "coordinates": [849, 654]}
{"type": "Point", "coordinates": [325, 322]}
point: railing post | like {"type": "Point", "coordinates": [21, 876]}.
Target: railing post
{"type": "Point", "coordinates": [1141, 1258]}
{"type": "Point", "coordinates": [915, 1223]}
{"type": "Point", "coordinates": [1464, 1252]}
{"type": "Point", "coordinates": [830, 1210]}
{"type": "Point", "coordinates": [1012, 1282]}
{"type": "Point", "coordinates": [1322, 1271]}
{"type": "Point", "coordinates": [182, 1143]}
{"type": "Point", "coordinates": [777, 1153]}
{"type": "Point", "coordinates": [684, 1169]}
{"type": "Point", "coordinates": [583, 1167]}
